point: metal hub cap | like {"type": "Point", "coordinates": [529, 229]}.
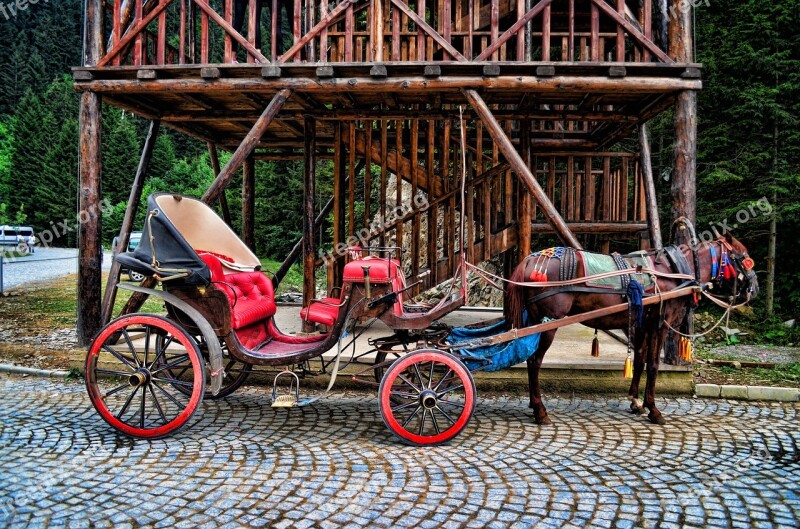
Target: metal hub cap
{"type": "Point", "coordinates": [139, 378]}
{"type": "Point", "coordinates": [428, 399]}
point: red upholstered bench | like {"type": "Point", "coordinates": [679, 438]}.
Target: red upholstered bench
{"type": "Point", "coordinates": [381, 271]}
{"type": "Point", "coordinates": [250, 294]}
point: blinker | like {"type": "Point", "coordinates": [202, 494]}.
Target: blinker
{"type": "Point", "coordinates": [748, 263]}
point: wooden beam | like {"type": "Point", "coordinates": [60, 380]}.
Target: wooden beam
{"type": "Point", "coordinates": [223, 198]}
{"type": "Point", "coordinates": [522, 170]}
{"type": "Point", "coordinates": [246, 147]}
{"type": "Point", "coordinates": [90, 248]}
{"type": "Point", "coordinates": [409, 86]}
{"type": "Point", "coordinates": [127, 222]}
{"type": "Point", "coordinates": [524, 217]}
{"type": "Point", "coordinates": [323, 24]}
{"type": "Point", "coordinates": [249, 203]}
{"type": "Point", "coordinates": [309, 213]}
{"type": "Point", "coordinates": [653, 222]}
{"type": "Point", "coordinates": [684, 172]}
{"type": "Point", "coordinates": [420, 22]}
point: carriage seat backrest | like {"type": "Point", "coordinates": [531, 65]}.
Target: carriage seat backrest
{"type": "Point", "coordinates": [250, 294]}
{"type": "Point", "coordinates": [382, 270]}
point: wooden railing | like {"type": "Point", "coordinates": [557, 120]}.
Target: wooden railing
{"type": "Point", "coordinates": [158, 32]}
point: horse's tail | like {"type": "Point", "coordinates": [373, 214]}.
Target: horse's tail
{"type": "Point", "coordinates": [514, 301]}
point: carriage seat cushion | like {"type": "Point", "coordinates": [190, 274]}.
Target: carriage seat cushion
{"type": "Point", "coordinates": [381, 270]}
{"type": "Point", "coordinates": [323, 312]}
{"type": "Point", "coordinates": [250, 294]}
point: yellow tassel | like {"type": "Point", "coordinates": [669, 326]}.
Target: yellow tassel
{"type": "Point", "coordinates": [627, 371]}
{"type": "Point", "coordinates": [686, 350]}
{"type": "Point", "coordinates": [595, 346]}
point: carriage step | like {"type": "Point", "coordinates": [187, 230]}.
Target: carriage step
{"type": "Point", "coordinates": [289, 397]}
{"type": "Point", "coordinates": [284, 401]}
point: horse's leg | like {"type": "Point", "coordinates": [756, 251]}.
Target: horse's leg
{"type": "Point", "coordinates": [638, 368]}
{"type": "Point", "coordinates": [654, 345]}
{"type": "Point", "coordinates": [534, 366]}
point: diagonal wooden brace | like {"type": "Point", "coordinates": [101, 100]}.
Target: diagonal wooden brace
{"type": "Point", "coordinates": [521, 168]}
{"type": "Point", "coordinates": [247, 146]}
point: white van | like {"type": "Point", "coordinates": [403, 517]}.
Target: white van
{"type": "Point", "coordinates": [20, 237]}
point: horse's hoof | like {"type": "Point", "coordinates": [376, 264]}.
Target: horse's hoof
{"type": "Point", "coordinates": [639, 410]}
{"type": "Point", "coordinates": [657, 419]}
{"type": "Point", "coordinates": [544, 421]}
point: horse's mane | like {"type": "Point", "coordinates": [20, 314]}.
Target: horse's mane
{"type": "Point", "coordinates": [514, 301]}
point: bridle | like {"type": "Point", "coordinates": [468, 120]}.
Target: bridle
{"type": "Point", "coordinates": [732, 269]}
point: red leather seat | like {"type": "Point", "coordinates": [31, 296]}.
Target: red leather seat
{"type": "Point", "coordinates": [381, 270]}
{"type": "Point", "coordinates": [324, 311]}
{"type": "Point", "coordinates": [250, 294]}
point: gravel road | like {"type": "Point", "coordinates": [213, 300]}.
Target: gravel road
{"type": "Point", "coordinates": [46, 263]}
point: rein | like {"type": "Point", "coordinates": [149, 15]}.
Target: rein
{"type": "Point", "coordinates": [577, 280]}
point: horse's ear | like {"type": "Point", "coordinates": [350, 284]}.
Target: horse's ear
{"type": "Point", "coordinates": [729, 237]}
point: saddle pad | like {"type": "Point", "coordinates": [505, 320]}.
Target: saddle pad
{"type": "Point", "coordinates": [597, 263]}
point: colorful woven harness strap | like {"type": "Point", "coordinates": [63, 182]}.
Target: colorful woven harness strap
{"type": "Point", "coordinates": [714, 263]}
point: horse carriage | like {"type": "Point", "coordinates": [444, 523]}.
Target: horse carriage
{"type": "Point", "coordinates": [147, 374]}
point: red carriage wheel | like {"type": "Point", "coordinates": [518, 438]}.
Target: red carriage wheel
{"type": "Point", "coordinates": [427, 397]}
{"type": "Point", "coordinates": [137, 356]}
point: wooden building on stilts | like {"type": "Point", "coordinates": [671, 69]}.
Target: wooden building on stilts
{"type": "Point", "coordinates": [544, 90]}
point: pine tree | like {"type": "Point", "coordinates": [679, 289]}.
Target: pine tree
{"type": "Point", "coordinates": [34, 132]}
{"type": "Point", "coordinates": [120, 154]}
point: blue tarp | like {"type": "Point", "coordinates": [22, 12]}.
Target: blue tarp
{"type": "Point", "coordinates": [502, 355]}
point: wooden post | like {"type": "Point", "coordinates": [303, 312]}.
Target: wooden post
{"type": "Point", "coordinates": [522, 170]}
{"type": "Point", "coordinates": [309, 246]}
{"type": "Point", "coordinates": [247, 146]}
{"type": "Point", "coordinates": [249, 203]}
{"type": "Point", "coordinates": [90, 248]}
{"type": "Point", "coordinates": [127, 222]}
{"type": "Point", "coordinates": [683, 177]}
{"type": "Point", "coordinates": [524, 230]}
{"type": "Point", "coordinates": [223, 199]}
{"type": "Point", "coordinates": [653, 222]}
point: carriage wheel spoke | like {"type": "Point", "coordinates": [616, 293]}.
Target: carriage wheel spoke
{"type": "Point", "coordinates": [404, 379]}
{"type": "Point", "coordinates": [146, 344]}
{"type": "Point", "coordinates": [448, 390]}
{"type": "Point", "coordinates": [141, 409]}
{"type": "Point", "coordinates": [419, 376]}
{"type": "Point", "coordinates": [131, 347]}
{"type": "Point", "coordinates": [404, 406]}
{"type": "Point", "coordinates": [446, 415]}
{"type": "Point", "coordinates": [161, 350]}
{"type": "Point", "coordinates": [447, 374]}
{"type": "Point", "coordinates": [410, 417]}
{"type": "Point", "coordinates": [430, 377]}
{"type": "Point", "coordinates": [173, 381]}
{"type": "Point", "coordinates": [169, 396]}
{"type": "Point", "coordinates": [115, 390]}
{"type": "Point", "coordinates": [435, 424]}
{"type": "Point", "coordinates": [172, 364]}
{"type": "Point", "coordinates": [127, 403]}
{"type": "Point", "coordinates": [422, 422]}
{"type": "Point", "coordinates": [158, 404]}
{"type": "Point", "coordinates": [119, 356]}
{"type": "Point", "coordinates": [112, 372]}
{"type": "Point", "coordinates": [452, 403]}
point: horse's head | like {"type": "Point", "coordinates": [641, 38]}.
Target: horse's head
{"type": "Point", "coordinates": [742, 282]}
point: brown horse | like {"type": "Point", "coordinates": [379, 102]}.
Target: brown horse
{"type": "Point", "coordinates": [738, 281]}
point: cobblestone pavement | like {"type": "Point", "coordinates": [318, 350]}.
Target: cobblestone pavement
{"type": "Point", "coordinates": [243, 464]}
